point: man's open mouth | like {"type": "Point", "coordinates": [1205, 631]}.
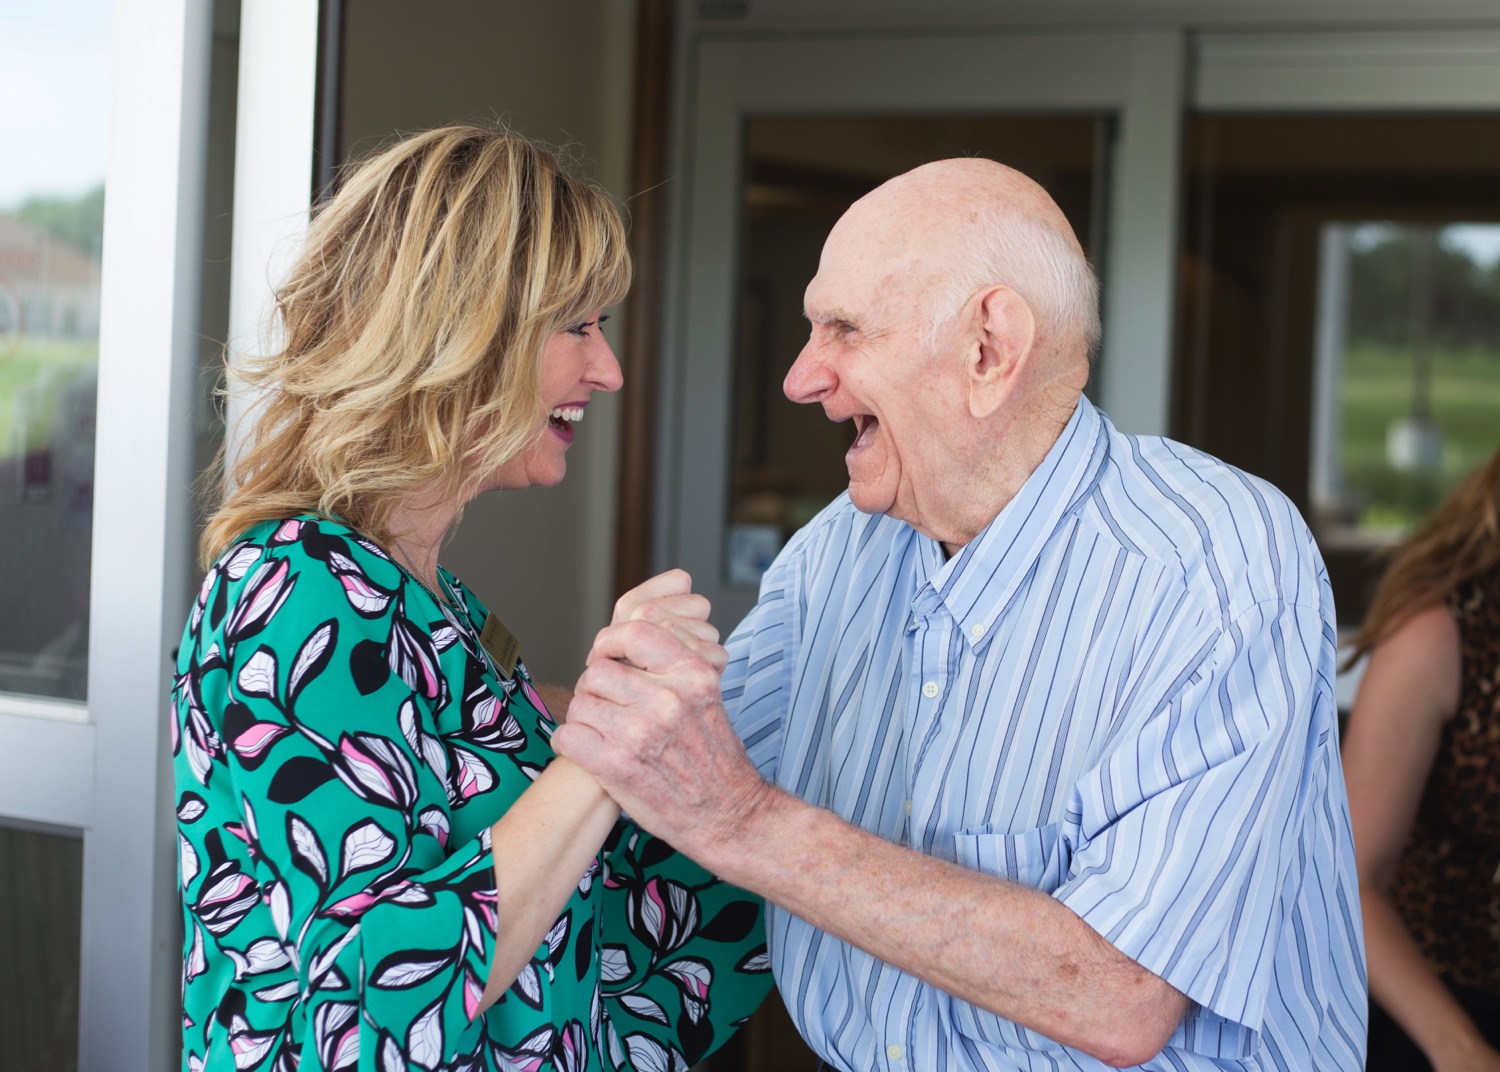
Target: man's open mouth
{"type": "Point", "coordinates": [865, 425]}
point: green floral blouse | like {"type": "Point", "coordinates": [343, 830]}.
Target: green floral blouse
{"type": "Point", "coordinates": [342, 745]}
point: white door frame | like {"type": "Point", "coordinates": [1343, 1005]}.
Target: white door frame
{"type": "Point", "coordinates": [1136, 76]}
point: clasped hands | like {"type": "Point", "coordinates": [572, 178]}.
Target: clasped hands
{"type": "Point", "coordinates": [647, 719]}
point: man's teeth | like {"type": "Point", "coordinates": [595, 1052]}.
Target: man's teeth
{"type": "Point", "coordinates": [567, 413]}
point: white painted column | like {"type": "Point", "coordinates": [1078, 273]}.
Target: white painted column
{"type": "Point", "coordinates": [1135, 367]}
{"type": "Point", "coordinates": [273, 171]}
{"type": "Point", "coordinates": [148, 347]}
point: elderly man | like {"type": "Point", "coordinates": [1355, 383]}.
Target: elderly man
{"type": "Point", "coordinates": [1039, 765]}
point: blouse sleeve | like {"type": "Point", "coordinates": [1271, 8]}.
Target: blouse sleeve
{"type": "Point", "coordinates": [683, 954]}
{"type": "Point", "coordinates": [304, 722]}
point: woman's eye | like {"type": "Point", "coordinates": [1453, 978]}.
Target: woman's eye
{"type": "Point", "coordinates": [583, 329]}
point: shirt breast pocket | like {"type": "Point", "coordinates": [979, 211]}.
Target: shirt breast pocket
{"type": "Point", "coordinates": [1037, 859]}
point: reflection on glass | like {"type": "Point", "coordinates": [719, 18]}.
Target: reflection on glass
{"type": "Point", "coordinates": [800, 176]}
{"type": "Point", "coordinates": [1408, 372]}
{"type": "Point", "coordinates": [1338, 317]}
{"type": "Point", "coordinates": [54, 58]}
{"type": "Point", "coordinates": [41, 904]}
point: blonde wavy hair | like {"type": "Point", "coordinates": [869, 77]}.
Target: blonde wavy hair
{"type": "Point", "coordinates": [414, 323]}
{"type": "Point", "coordinates": [1459, 542]}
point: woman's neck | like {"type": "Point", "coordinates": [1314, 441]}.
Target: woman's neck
{"type": "Point", "coordinates": [417, 530]}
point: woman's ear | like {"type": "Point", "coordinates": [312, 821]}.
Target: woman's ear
{"type": "Point", "coordinates": [1007, 332]}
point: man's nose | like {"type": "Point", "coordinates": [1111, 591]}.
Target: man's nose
{"type": "Point", "coordinates": [809, 379]}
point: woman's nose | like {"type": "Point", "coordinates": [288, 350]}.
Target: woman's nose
{"type": "Point", "coordinates": [606, 369]}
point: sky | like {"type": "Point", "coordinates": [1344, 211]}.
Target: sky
{"type": "Point", "coordinates": [1481, 241]}
{"type": "Point", "coordinates": [54, 97]}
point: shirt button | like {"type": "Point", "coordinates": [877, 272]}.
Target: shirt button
{"type": "Point", "coordinates": [930, 689]}
{"type": "Point", "coordinates": [894, 1051]}
{"type": "Point", "coordinates": [908, 807]}
{"type": "Point", "coordinates": [977, 629]}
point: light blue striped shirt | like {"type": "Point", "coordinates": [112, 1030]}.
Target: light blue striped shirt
{"type": "Point", "coordinates": [1120, 693]}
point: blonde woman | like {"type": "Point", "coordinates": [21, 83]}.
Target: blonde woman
{"type": "Point", "coordinates": [383, 863]}
{"type": "Point", "coordinates": [1422, 762]}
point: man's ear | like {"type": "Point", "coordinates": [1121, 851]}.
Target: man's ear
{"type": "Point", "coordinates": [1007, 332]}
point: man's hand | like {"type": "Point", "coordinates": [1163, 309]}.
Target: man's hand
{"type": "Point", "coordinates": [648, 722]}
{"type": "Point", "coordinates": [668, 600]}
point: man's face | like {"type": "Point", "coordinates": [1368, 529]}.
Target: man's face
{"type": "Point", "coordinates": [865, 361]}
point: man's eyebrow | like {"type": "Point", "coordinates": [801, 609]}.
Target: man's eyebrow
{"type": "Point", "coordinates": [831, 316]}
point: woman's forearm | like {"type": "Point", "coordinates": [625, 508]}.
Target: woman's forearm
{"type": "Point", "coordinates": [542, 847]}
{"type": "Point", "coordinates": [1405, 987]}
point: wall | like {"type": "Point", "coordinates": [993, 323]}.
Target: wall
{"type": "Point", "coordinates": [541, 558]}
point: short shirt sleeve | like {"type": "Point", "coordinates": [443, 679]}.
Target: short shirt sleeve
{"type": "Point", "coordinates": [1191, 836]}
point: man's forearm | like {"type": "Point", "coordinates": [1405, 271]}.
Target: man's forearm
{"type": "Point", "coordinates": [1011, 950]}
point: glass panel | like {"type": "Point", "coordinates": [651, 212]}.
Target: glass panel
{"type": "Point", "coordinates": [1339, 315]}
{"type": "Point", "coordinates": [41, 904]}
{"type": "Point", "coordinates": [800, 176]}
{"type": "Point", "coordinates": [1407, 396]}
{"type": "Point", "coordinates": [54, 64]}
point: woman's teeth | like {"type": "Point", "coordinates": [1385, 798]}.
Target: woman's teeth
{"type": "Point", "coordinates": [571, 414]}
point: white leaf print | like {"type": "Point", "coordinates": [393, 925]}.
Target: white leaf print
{"type": "Point", "coordinates": [192, 807]}
{"type": "Point", "coordinates": [616, 1047]}
{"type": "Point", "coordinates": [406, 718]}
{"type": "Point", "coordinates": [645, 1008]}
{"type": "Point", "coordinates": [530, 983]}
{"type": "Point", "coordinates": [443, 637]}
{"type": "Point", "coordinates": [240, 561]}
{"type": "Point", "coordinates": [307, 846]}
{"type": "Point", "coordinates": [614, 964]}
{"type": "Point", "coordinates": [196, 963]}
{"type": "Point", "coordinates": [558, 934]}
{"type": "Point", "coordinates": [424, 1043]}
{"type": "Point", "coordinates": [250, 824]}
{"type": "Point", "coordinates": [280, 992]}
{"type": "Point", "coordinates": [189, 860]}
{"type": "Point", "coordinates": [258, 675]}
{"type": "Point", "coordinates": [324, 960]}
{"type": "Point", "coordinates": [311, 649]}
{"type": "Point", "coordinates": [760, 962]}
{"type": "Point", "coordinates": [281, 909]}
{"type": "Point", "coordinates": [265, 955]}
{"type": "Point", "coordinates": [365, 846]}
{"type": "Point", "coordinates": [390, 1056]}
{"type": "Point", "coordinates": [435, 755]}
{"type": "Point", "coordinates": [435, 821]}
{"type": "Point", "coordinates": [692, 975]}
{"type": "Point", "coordinates": [647, 1055]}
{"type": "Point", "coordinates": [409, 973]}
{"type": "Point", "coordinates": [414, 894]}
{"type": "Point", "coordinates": [249, 1049]}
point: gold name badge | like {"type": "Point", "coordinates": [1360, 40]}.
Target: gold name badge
{"type": "Point", "coordinates": [502, 645]}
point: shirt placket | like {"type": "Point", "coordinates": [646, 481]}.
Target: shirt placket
{"type": "Point", "coordinates": [929, 638]}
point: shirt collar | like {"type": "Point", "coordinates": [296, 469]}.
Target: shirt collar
{"type": "Point", "coordinates": [978, 583]}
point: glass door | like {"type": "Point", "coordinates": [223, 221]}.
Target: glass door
{"type": "Point", "coordinates": [780, 138]}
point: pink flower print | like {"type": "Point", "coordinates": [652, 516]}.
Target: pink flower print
{"type": "Point", "coordinates": [531, 1053]}
{"type": "Point", "coordinates": [228, 896]}
{"type": "Point", "coordinates": [414, 658]}
{"type": "Point", "coordinates": [287, 532]}
{"type": "Point", "coordinates": [493, 726]}
{"type": "Point", "coordinates": [570, 1053]}
{"type": "Point", "coordinates": [473, 775]}
{"type": "Point", "coordinates": [255, 740]}
{"type": "Point", "coordinates": [336, 1035]}
{"type": "Point", "coordinates": [364, 595]}
{"type": "Point", "coordinates": [534, 698]}
{"type": "Point", "coordinates": [662, 914]}
{"type": "Point", "coordinates": [248, 1046]}
{"type": "Point", "coordinates": [263, 595]}
{"type": "Point", "coordinates": [473, 994]}
{"type": "Point", "coordinates": [376, 770]}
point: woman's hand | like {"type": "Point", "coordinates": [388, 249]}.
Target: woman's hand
{"type": "Point", "coordinates": [669, 601]}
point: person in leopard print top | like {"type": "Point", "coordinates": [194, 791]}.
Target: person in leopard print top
{"type": "Point", "coordinates": [1422, 762]}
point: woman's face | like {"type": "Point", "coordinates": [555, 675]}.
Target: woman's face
{"type": "Point", "coordinates": [575, 364]}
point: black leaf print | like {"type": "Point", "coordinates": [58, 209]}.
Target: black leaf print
{"type": "Point", "coordinates": [369, 666]}
{"type": "Point", "coordinates": [411, 967]}
{"type": "Point", "coordinates": [296, 778]}
{"type": "Point", "coordinates": [653, 853]}
{"type": "Point", "coordinates": [696, 1036]}
{"type": "Point", "coordinates": [315, 654]}
{"type": "Point", "coordinates": [734, 921]}
{"type": "Point", "coordinates": [583, 951]}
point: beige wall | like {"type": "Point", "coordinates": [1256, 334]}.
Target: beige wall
{"type": "Point", "coordinates": [541, 558]}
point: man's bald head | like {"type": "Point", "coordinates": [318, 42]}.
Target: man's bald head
{"type": "Point", "coordinates": [959, 225]}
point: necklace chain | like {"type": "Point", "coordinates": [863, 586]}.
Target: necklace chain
{"type": "Point", "coordinates": [450, 603]}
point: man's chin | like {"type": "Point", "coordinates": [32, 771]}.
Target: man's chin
{"type": "Point", "coordinates": [870, 500]}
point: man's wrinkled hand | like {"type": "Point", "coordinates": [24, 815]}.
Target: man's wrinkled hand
{"type": "Point", "coordinates": [647, 719]}
{"type": "Point", "coordinates": [668, 600]}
